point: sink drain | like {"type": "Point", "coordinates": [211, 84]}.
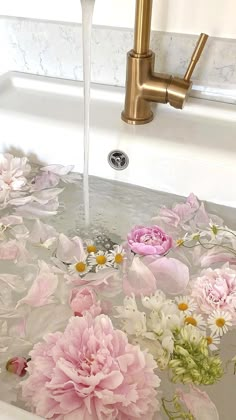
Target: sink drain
{"type": "Point", "coordinates": [118, 160]}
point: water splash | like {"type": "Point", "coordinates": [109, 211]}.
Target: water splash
{"type": "Point", "coordinates": [87, 16]}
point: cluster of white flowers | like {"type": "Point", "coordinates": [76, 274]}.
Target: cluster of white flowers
{"type": "Point", "coordinates": [154, 322]}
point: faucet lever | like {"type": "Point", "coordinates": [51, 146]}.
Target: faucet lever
{"type": "Point", "coordinates": [196, 55]}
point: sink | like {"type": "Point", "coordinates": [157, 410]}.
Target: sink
{"type": "Point", "coordinates": [9, 412]}
{"type": "Point", "coordinates": [178, 152]}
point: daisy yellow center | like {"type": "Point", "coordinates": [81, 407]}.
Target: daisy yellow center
{"type": "Point", "coordinates": [179, 242]}
{"type": "Point", "coordinates": [190, 320]}
{"type": "Point", "coordinates": [91, 248]}
{"type": "Point", "coordinates": [80, 267]}
{"type": "Point", "coordinates": [182, 306]}
{"type": "Point", "coordinates": [220, 322]}
{"type": "Point", "coordinates": [209, 340]}
{"type": "Point", "coordinates": [101, 259]}
{"type": "Point", "coordinates": [119, 258]}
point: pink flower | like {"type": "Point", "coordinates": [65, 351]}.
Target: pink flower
{"type": "Point", "coordinates": [147, 274]}
{"type": "Point", "coordinates": [149, 240]}
{"type": "Point", "coordinates": [13, 172]}
{"type": "Point", "coordinates": [17, 365]}
{"type": "Point", "coordinates": [84, 300]}
{"type": "Point", "coordinates": [91, 372]}
{"type": "Point", "coordinates": [199, 404]}
{"type": "Point", "coordinates": [216, 289]}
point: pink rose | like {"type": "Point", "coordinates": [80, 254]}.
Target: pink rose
{"type": "Point", "coordinates": [84, 300]}
{"type": "Point", "coordinates": [149, 240]}
{"type": "Point", "coordinates": [216, 289]}
{"type": "Point", "coordinates": [17, 365]}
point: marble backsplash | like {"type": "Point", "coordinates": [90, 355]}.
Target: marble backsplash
{"type": "Point", "coordinates": [55, 49]}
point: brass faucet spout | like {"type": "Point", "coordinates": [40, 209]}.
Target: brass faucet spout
{"type": "Point", "coordinates": [142, 28]}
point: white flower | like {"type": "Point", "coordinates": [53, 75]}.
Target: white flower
{"type": "Point", "coordinates": [196, 320]}
{"type": "Point", "coordinates": [191, 334]}
{"type": "Point", "coordinates": [186, 304]}
{"type": "Point", "coordinates": [116, 256]}
{"type": "Point", "coordinates": [213, 341]}
{"type": "Point", "coordinates": [154, 302]}
{"type": "Point", "coordinates": [90, 246]}
{"type": "Point", "coordinates": [134, 321]}
{"type": "Point", "coordinates": [99, 260]}
{"type": "Point", "coordinates": [219, 321]}
{"type": "Point", "coordinates": [79, 267]}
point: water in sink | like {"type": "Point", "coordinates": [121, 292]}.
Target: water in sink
{"type": "Point", "coordinates": [44, 283]}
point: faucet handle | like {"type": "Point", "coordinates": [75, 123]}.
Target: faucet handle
{"type": "Point", "coordinates": [178, 89]}
{"type": "Point", "coordinates": [196, 55]}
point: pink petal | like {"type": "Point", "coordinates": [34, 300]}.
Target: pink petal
{"type": "Point", "coordinates": [139, 279]}
{"type": "Point", "coordinates": [199, 404]}
{"type": "Point", "coordinates": [172, 276]}
{"type": "Point", "coordinates": [42, 288]}
{"type": "Point", "coordinates": [70, 250]}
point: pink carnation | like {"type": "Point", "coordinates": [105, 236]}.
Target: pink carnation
{"type": "Point", "coordinates": [91, 372]}
{"type": "Point", "coordinates": [216, 289]}
{"type": "Point", "coordinates": [83, 300]}
{"type": "Point", "coordinates": [149, 240]}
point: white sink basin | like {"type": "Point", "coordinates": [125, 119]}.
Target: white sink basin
{"type": "Point", "coordinates": [8, 412]}
{"type": "Point", "coordinates": [179, 152]}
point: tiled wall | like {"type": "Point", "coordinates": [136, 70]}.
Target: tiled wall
{"type": "Point", "coordinates": [55, 49]}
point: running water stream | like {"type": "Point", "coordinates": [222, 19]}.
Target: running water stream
{"type": "Point", "coordinates": [87, 16]}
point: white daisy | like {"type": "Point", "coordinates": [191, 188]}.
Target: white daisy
{"type": "Point", "coordinates": [186, 304]}
{"type": "Point", "coordinates": [196, 320]}
{"type": "Point", "coordinates": [213, 341]}
{"type": "Point", "coordinates": [117, 255]}
{"type": "Point", "coordinates": [90, 246]}
{"type": "Point", "coordinates": [79, 267]}
{"type": "Point", "coordinates": [99, 260]}
{"type": "Point", "coordinates": [219, 321]}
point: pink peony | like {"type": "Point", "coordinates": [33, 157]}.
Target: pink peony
{"type": "Point", "coordinates": [199, 404]}
{"type": "Point", "coordinates": [84, 300]}
{"type": "Point", "coordinates": [216, 289]}
{"type": "Point", "coordinates": [149, 240]}
{"type": "Point", "coordinates": [13, 172]}
{"type": "Point", "coordinates": [91, 372]}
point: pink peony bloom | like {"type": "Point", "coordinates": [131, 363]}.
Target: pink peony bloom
{"type": "Point", "coordinates": [17, 365]}
{"type": "Point", "coordinates": [216, 289]}
{"type": "Point", "coordinates": [199, 404]}
{"type": "Point", "coordinates": [13, 172]}
{"type": "Point", "coordinates": [149, 240]}
{"type": "Point", "coordinates": [84, 300]}
{"type": "Point", "coordinates": [91, 372]}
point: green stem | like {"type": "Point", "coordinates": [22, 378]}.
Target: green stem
{"type": "Point", "coordinates": [229, 231]}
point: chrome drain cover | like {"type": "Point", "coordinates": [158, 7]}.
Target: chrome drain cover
{"type": "Point", "coordinates": [118, 160]}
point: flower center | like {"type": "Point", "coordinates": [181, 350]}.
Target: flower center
{"type": "Point", "coordinates": [91, 248]}
{"type": "Point", "coordinates": [220, 322]}
{"type": "Point", "coordinates": [182, 306]}
{"type": "Point", "coordinates": [80, 267]}
{"type": "Point", "coordinates": [209, 340]}
{"type": "Point", "coordinates": [101, 259]}
{"type": "Point", "coordinates": [119, 258]}
{"type": "Point", "coordinates": [190, 320]}
{"type": "Point", "coordinates": [179, 242]}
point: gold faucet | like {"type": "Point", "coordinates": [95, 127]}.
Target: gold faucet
{"type": "Point", "coordinates": [143, 85]}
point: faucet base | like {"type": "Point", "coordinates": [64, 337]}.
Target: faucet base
{"type": "Point", "coordinates": [135, 121]}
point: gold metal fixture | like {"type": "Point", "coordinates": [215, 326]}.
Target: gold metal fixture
{"type": "Point", "coordinates": [143, 85]}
